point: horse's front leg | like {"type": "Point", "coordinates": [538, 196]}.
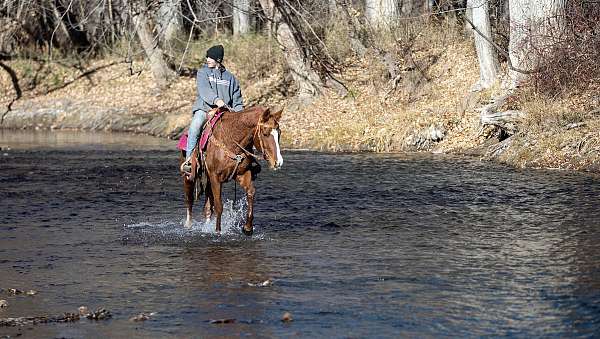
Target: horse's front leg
{"type": "Point", "coordinates": [215, 186]}
{"type": "Point", "coordinates": [247, 184]}
{"type": "Point", "coordinates": [188, 191]}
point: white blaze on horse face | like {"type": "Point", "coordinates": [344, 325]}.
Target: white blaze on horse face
{"type": "Point", "coordinates": [275, 135]}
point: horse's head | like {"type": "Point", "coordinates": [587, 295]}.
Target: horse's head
{"type": "Point", "coordinates": [268, 136]}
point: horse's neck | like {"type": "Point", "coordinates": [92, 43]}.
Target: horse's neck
{"type": "Point", "coordinates": [238, 127]}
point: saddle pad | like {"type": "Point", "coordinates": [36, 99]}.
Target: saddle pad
{"type": "Point", "coordinates": [182, 145]}
{"type": "Point", "coordinates": [208, 131]}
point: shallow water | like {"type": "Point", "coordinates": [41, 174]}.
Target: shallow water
{"type": "Point", "coordinates": [357, 245]}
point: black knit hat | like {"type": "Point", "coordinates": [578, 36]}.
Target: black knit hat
{"type": "Point", "coordinates": [216, 53]}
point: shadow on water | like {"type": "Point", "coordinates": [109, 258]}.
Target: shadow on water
{"type": "Point", "coordinates": [353, 245]}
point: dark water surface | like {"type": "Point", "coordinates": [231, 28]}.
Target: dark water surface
{"type": "Point", "coordinates": [358, 245]}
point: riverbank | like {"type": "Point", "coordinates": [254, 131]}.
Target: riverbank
{"type": "Point", "coordinates": [430, 108]}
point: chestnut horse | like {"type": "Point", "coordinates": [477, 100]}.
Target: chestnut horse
{"type": "Point", "coordinates": [229, 155]}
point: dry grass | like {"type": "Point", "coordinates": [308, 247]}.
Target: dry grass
{"type": "Point", "coordinates": [436, 74]}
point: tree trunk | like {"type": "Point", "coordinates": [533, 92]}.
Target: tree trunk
{"type": "Point", "coordinates": [241, 17]}
{"type": "Point", "coordinates": [486, 54]}
{"type": "Point", "coordinates": [332, 7]}
{"type": "Point", "coordinates": [533, 24]}
{"type": "Point", "coordinates": [308, 81]}
{"type": "Point", "coordinates": [169, 20]}
{"type": "Point", "coordinates": [381, 13]}
{"type": "Point", "coordinates": [413, 7]}
{"type": "Point", "coordinates": [160, 70]}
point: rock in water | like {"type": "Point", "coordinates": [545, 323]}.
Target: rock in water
{"type": "Point", "coordinates": [265, 283]}
{"type": "Point", "coordinates": [3, 303]}
{"type": "Point", "coordinates": [142, 317]}
{"type": "Point", "coordinates": [83, 311]}
{"type": "Point", "coordinates": [222, 321]}
{"type": "Point", "coordinates": [287, 317]}
{"type": "Point", "coordinates": [100, 314]}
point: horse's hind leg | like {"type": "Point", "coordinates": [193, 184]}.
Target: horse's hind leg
{"type": "Point", "coordinates": [208, 204]}
{"type": "Point", "coordinates": [247, 184]}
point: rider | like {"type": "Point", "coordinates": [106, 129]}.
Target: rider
{"type": "Point", "coordinates": [216, 87]}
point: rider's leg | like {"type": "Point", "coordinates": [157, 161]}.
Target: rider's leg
{"type": "Point", "coordinates": [194, 131]}
{"type": "Point", "coordinates": [198, 121]}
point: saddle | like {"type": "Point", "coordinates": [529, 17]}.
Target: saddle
{"type": "Point", "coordinates": [198, 153]}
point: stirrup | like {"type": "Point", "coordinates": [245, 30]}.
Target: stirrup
{"type": "Point", "coordinates": [186, 166]}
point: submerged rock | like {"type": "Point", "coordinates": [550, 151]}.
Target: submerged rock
{"type": "Point", "coordinates": [142, 316]}
{"type": "Point", "coordinates": [22, 321]}
{"type": "Point", "coordinates": [3, 303]}
{"type": "Point", "coordinates": [222, 321]}
{"type": "Point", "coordinates": [100, 314]}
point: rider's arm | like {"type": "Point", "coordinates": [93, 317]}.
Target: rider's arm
{"type": "Point", "coordinates": [205, 91]}
{"type": "Point", "coordinates": [236, 97]}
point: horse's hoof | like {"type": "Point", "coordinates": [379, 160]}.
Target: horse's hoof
{"type": "Point", "coordinates": [247, 232]}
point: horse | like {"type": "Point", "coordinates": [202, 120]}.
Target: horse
{"type": "Point", "coordinates": [229, 155]}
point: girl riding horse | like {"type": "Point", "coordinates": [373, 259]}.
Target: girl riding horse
{"type": "Point", "coordinates": [216, 88]}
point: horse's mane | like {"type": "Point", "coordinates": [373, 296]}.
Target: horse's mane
{"type": "Point", "coordinates": [243, 118]}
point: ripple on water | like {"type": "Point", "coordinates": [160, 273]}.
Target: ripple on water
{"type": "Point", "coordinates": [173, 232]}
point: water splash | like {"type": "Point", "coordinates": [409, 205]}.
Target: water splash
{"type": "Point", "coordinates": [174, 232]}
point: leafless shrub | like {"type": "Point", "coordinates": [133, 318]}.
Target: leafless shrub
{"type": "Point", "coordinates": [570, 63]}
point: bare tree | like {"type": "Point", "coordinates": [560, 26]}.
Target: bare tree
{"type": "Point", "coordinates": [169, 20]}
{"type": "Point", "coordinates": [413, 7]}
{"type": "Point", "coordinates": [307, 79]}
{"type": "Point", "coordinates": [531, 24]}
{"type": "Point", "coordinates": [486, 52]}
{"type": "Point", "coordinates": [160, 70]}
{"type": "Point", "coordinates": [241, 17]}
{"type": "Point", "coordinates": [380, 13]}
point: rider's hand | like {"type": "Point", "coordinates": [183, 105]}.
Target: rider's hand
{"type": "Point", "coordinates": [219, 102]}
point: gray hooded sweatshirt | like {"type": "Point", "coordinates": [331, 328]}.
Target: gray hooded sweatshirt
{"type": "Point", "coordinates": [215, 83]}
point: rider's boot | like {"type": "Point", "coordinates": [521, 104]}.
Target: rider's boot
{"type": "Point", "coordinates": [186, 166]}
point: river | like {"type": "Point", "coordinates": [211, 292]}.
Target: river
{"type": "Point", "coordinates": [352, 245]}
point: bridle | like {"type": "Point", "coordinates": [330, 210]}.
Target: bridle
{"type": "Point", "coordinates": [238, 158]}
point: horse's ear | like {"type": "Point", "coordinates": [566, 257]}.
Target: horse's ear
{"type": "Point", "coordinates": [266, 114]}
{"type": "Point", "coordinates": [277, 114]}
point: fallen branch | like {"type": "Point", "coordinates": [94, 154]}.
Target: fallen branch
{"type": "Point", "coordinates": [506, 120]}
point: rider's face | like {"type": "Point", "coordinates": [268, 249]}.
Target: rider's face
{"type": "Point", "coordinates": [211, 63]}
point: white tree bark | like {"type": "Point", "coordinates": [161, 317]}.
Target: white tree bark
{"type": "Point", "coordinates": [241, 17]}
{"type": "Point", "coordinates": [486, 53]}
{"type": "Point", "coordinates": [169, 20]}
{"type": "Point", "coordinates": [308, 81]}
{"type": "Point", "coordinates": [533, 24]}
{"type": "Point", "coordinates": [332, 4]}
{"type": "Point", "coordinates": [381, 13]}
{"type": "Point", "coordinates": [413, 7]}
{"type": "Point", "coordinates": [160, 70]}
